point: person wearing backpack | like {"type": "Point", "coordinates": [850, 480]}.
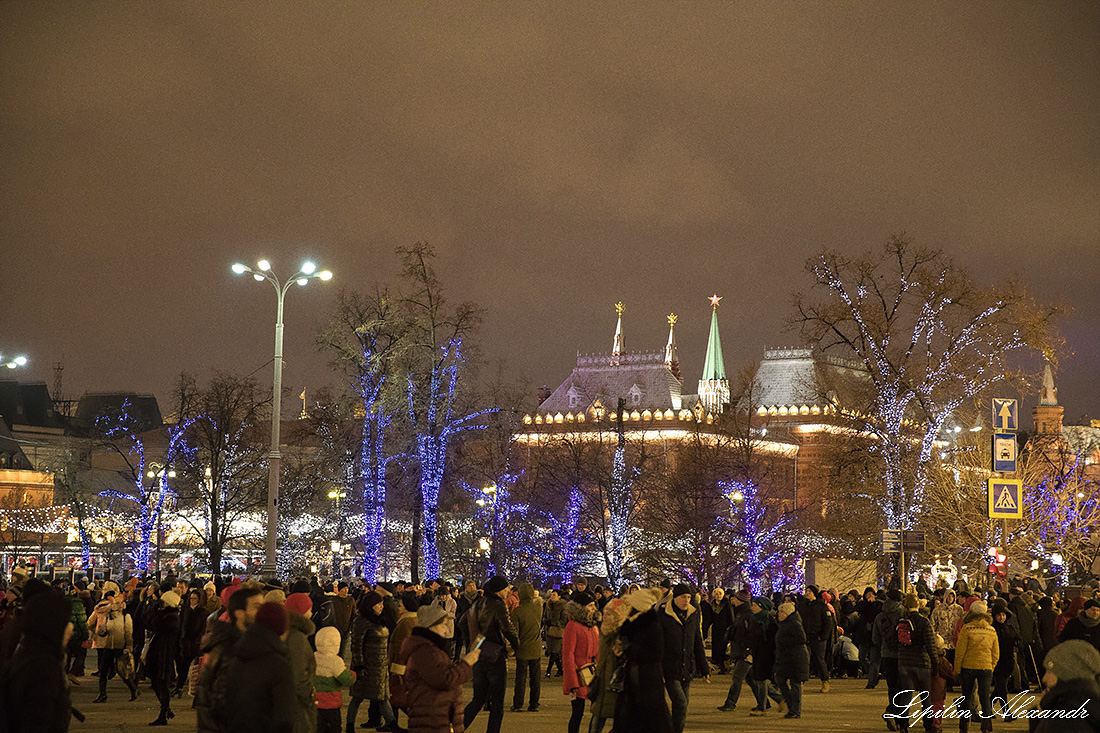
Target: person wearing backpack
{"type": "Point", "coordinates": [916, 657]}
{"type": "Point", "coordinates": [884, 636]}
{"type": "Point", "coordinates": [977, 651]}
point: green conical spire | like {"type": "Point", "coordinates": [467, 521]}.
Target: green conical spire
{"type": "Point", "coordinates": [715, 367]}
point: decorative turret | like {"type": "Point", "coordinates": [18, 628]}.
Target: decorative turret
{"type": "Point", "coordinates": [672, 359]}
{"type": "Point", "coordinates": [714, 390]}
{"type": "Point", "coordinates": [1048, 414]}
{"type": "Point", "coordinates": [617, 349]}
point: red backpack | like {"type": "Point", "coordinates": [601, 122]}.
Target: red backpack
{"type": "Point", "coordinates": [904, 631]}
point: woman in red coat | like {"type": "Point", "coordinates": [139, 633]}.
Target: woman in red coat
{"type": "Point", "coordinates": [579, 647]}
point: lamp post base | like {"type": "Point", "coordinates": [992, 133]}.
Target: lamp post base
{"type": "Point", "coordinates": [268, 572]}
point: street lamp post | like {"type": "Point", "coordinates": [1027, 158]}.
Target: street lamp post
{"type": "Point", "coordinates": [263, 272]}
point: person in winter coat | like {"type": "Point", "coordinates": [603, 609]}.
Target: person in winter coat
{"type": "Point", "coordinates": [945, 617]}
{"type": "Point", "coordinates": [554, 620]}
{"type": "Point", "coordinates": [299, 606]}
{"type": "Point", "coordinates": [370, 638]}
{"type": "Point", "coordinates": [1020, 605]}
{"type": "Point", "coordinates": [1069, 612]}
{"type": "Point", "coordinates": [192, 627]}
{"type": "Point", "coordinates": [867, 610]}
{"type": "Point", "coordinates": [718, 615]}
{"type": "Point", "coordinates": [433, 682]}
{"type": "Point", "coordinates": [976, 653]}
{"type": "Point", "coordinates": [819, 622]}
{"type": "Point", "coordinates": [1071, 671]}
{"type": "Point", "coordinates": [1045, 618]}
{"type": "Point", "coordinates": [884, 635]}
{"type": "Point", "coordinates": [34, 696]}
{"type": "Point", "coordinates": [78, 600]}
{"type": "Point", "coordinates": [462, 604]}
{"type": "Point", "coordinates": [331, 675]}
{"type": "Point", "coordinates": [163, 618]}
{"type": "Point", "coordinates": [1007, 640]}
{"type": "Point", "coordinates": [112, 632]}
{"type": "Point", "coordinates": [580, 648]}
{"type": "Point", "coordinates": [604, 696]}
{"type": "Point", "coordinates": [792, 658]}
{"type": "Point", "coordinates": [737, 638]}
{"type": "Point", "coordinates": [641, 705]}
{"type": "Point", "coordinates": [488, 617]}
{"type": "Point", "coordinates": [916, 656]}
{"type": "Point", "coordinates": [528, 622]}
{"type": "Point", "coordinates": [761, 643]}
{"type": "Point", "coordinates": [343, 611]}
{"type": "Point", "coordinates": [406, 622]}
{"type": "Point", "coordinates": [1086, 626]}
{"type": "Point", "coordinates": [241, 604]}
{"type": "Point", "coordinates": [684, 655]}
{"type": "Point", "coordinates": [257, 692]}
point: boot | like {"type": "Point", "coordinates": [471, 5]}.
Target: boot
{"type": "Point", "coordinates": [101, 698]}
{"type": "Point", "coordinates": [160, 721]}
{"type": "Point", "coordinates": [825, 686]}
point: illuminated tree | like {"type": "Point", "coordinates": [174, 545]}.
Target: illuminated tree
{"type": "Point", "coordinates": [927, 337]}
{"type": "Point", "coordinates": [148, 481]}
{"type": "Point", "coordinates": [365, 335]}
{"type": "Point", "coordinates": [435, 359]}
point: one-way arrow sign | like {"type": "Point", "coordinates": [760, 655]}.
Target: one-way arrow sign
{"type": "Point", "coordinates": [1004, 414]}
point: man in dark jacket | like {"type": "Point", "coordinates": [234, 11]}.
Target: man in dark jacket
{"type": "Point", "coordinates": [1029, 634]}
{"type": "Point", "coordinates": [884, 635]}
{"type": "Point", "coordinates": [33, 695]}
{"type": "Point", "coordinates": [242, 607]}
{"type": "Point", "coordinates": [819, 623]}
{"type": "Point", "coordinates": [915, 658]}
{"type": "Point", "coordinates": [684, 655]}
{"type": "Point", "coordinates": [488, 617]}
{"type": "Point", "coordinates": [868, 609]}
{"type": "Point", "coordinates": [258, 692]}
{"type": "Point", "coordinates": [1086, 626]}
{"type": "Point", "coordinates": [738, 636]}
{"type": "Point", "coordinates": [160, 658]}
{"type": "Point", "coordinates": [1071, 672]}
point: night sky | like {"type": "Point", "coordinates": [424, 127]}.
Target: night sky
{"type": "Point", "coordinates": [559, 157]}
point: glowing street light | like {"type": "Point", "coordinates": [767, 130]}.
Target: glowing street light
{"type": "Point", "coordinates": [12, 364]}
{"type": "Point", "coordinates": [262, 271]}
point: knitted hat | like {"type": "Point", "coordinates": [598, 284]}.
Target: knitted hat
{"type": "Point", "coordinates": [299, 603]}
{"type": "Point", "coordinates": [430, 615]}
{"type": "Point", "coordinates": [1072, 660]}
{"type": "Point", "coordinates": [210, 586]}
{"type": "Point", "coordinates": [390, 588]}
{"type": "Point", "coordinates": [1092, 603]}
{"type": "Point", "coordinates": [681, 589]}
{"type": "Point", "coordinates": [274, 617]}
{"type": "Point", "coordinates": [910, 601]}
{"type": "Point", "coordinates": [813, 589]}
{"type": "Point", "coordinates": [583, 598]}
{"type": "Point", "coordinates": [643, 599]}
{"type": "Point", "coordinates": [299, 586]}
{"type": "Point", "coordinates": [496, 584]}
{"type": "Point", "coordinates": [275, 596]}
{"type": "Point", "coordinates": [786, 608]}
{"type": "Point", "coordinates": [743, 596]}
{"type": "Point", "coordinates": [171, 599]}
{"type": "Point", "coordinates": [979, 607]}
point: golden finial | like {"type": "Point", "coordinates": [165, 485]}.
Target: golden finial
{"type": "Point", "coordinates": [672, 319]}
{"type": "Point", "coordinates": [619, 307]}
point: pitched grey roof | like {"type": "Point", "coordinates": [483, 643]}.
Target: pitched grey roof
{"type": "Point", "coordinates": [642, 380]}
{"type": "Point", "coordinates": [798, 376]}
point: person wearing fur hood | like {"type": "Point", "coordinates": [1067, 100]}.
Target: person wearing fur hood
{"type": "Point", "coordinates": [976, 654]}
{"type": "Point", "coordinates": [330, 677]}
{"type": "Point", "coordinates": [580, 647]}
{"type": "Point", "coordinates": [112, 633]}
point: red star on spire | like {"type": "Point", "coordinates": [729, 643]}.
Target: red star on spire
{"type": "Point", "coordinates": [714, 300]}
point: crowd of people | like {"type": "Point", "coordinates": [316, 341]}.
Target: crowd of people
{"type": "Point", "coordinates": [256, 656]}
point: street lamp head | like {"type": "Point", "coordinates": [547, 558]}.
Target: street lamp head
{"type": "Point", "coordinates": [258, 277]}
{"type": "Point", "coordinates": [325, 275]}
{"type": "Point", "coordinates": [264, 265]}
{"type": "Point", "coordinates": [239, 268]}
{"type": "Point", "coordinates": [309, 268]}
{"type": "Point", "coordinates": [302, 280]}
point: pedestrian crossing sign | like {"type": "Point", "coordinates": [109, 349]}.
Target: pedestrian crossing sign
{"type": "Point", "coordinates": [1006, 498]}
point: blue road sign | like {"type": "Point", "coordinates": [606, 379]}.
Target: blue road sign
{"type": "Point", "coordinates": [1006, 498]}
{"type": "Point", "coordinates": [1004, 414]}
{"type": "Point", "coordinates": [891, 540]}
{"type": "Point", "coordinates": [1004, 452]}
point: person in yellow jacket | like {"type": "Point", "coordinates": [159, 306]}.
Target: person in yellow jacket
{"type": "Point", "coordinates": [976, 654]}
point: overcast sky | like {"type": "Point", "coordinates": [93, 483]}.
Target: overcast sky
{"type": "Point", "coordinates": [559, 157]}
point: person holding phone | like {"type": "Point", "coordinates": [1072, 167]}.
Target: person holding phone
{"type": "Point", "coordinates": [488, 617]}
